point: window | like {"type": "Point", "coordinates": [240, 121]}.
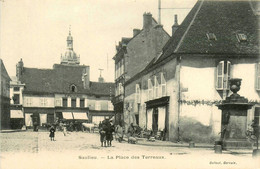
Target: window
{"type": "Point", "coordinates": [73, 102]}
{"type": "Point", "coordinates": [50, 118]}
{"type": "Point", "coordinates": [258, 77]}
{"type": "Point", "coordinates": [156, 87]}
{"type": "Point", "coordinates": [115, 71]}
{"type": "Point", "coordinates": [223, 75]}
{"type": "Point", "coordinates": [28, 101]}
{"type": "Point", "coordinates": [150, 90]}
{"type": "Point", "coordinates": [120, 89]}
{"type": "Point", "coordinates": [64, 102]}
{"type": "Point", "coordinates": [97, 105]}
{"type": "Point", "coordinates": [163, 85]}
{"type": "Point", "coordinates": [82, 102]}
{"type": "Point", "coordinates": [123, 70]}
{"type": "Point", "coordinates": [137, 93]}
{"type": "Point", "coordinates": [241, 37]}
{"type": "Point", "coordinates": [43, 101]}
{"type": "Point", "coordinates": [211, 36]}
{"type": "Point", "coordinates": [116, 89]}
{"type": "Point", "coordinates": [58, 102]}
{"type": "Point", "coordinates": [16, 89]}
{"type": "Point", "coordinates": [16, 99]}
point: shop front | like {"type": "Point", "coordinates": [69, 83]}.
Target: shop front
{"type": "Point", "coordinates": [157, 117]}
{"type": "Point", "coordinates": [16, 119]}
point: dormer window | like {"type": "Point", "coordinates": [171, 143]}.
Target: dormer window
{"type": "Point", "coordinates": [211, 36]}
{"type": "Point", "coordinates": [241, 37]}
{"type": "Point", "coordinates": [73, 88]}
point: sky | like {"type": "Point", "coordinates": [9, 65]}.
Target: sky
{"type": "Point", "coordinates": [36, 30]}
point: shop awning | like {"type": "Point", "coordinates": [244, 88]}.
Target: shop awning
{"type": "Point", "coordinates": [80, 115]}
{"type": "Point", "coordinates": [67, 115]}
{"type": "Point", "coordinates": [16, 114]}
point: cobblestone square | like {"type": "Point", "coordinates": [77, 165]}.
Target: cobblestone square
{"type": "Point", "coordinates": [83, 150]}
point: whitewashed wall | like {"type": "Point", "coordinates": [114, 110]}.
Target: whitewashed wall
{"type": "Point", "coordinates": [199, 84]}
{"type": "Point", "coordinates": [247, 73]}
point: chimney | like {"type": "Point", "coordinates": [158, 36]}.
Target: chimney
{"type": "Point", "coordinates": [19, 70]}
{"type": "Point", "coordinates": [175, 26]}
{"type": "Point", "coordinates": [101, 79]}
{"type": "Point", "coordinates": [147, 20]}
{"type": "Point", "coordinates": [85, 78]}
{"type": "Point", "coordinates": [136, 31]}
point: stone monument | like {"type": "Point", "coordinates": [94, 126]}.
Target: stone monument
{"type": "Point", "coordinates": [234, 118]}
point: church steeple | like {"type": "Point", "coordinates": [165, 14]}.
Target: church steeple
{"type": "Point", "coordinates": [70, 56]}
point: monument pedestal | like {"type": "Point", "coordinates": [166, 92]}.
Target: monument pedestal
{"type": "Point", "coordinates": [234, 119]}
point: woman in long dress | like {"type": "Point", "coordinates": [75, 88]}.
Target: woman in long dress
{"type": "Point", "coordinates": [52, 133]}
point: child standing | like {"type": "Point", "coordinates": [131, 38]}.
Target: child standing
{"type": "Point", "coordinates": [52, 133]}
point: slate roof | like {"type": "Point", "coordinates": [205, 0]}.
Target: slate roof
{"type": "Point", "coordinates": [223, 18]}
{"type": "Point", "coordinates": [59, 79]}
{"type": "Point", "coordinates": [127, 40]}
{"type": "Point", "coordinates": [3, 70]}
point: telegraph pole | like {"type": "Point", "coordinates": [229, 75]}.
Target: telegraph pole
{"type": "Point", "coordinates": [160, 9]}
{"type": "Point", "coordinates": [159, 12]}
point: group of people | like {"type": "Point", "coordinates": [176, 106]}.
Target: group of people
{"type": "Point", "coordinates": [106, 129]}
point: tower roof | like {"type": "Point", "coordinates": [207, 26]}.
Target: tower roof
{"type": "Point", "coordinates": [70, 56]}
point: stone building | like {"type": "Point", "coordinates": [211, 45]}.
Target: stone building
{"type": "Point", "coordinates": [63, 92]}
{"type": "Point", "coordinates": [177, 92]}
{"type": "Point", "coordinates": [16, 103]}
{"type": "Point", "coordinates": [133, 55]}
{"type": "Point", "coordinates": [4, 97]}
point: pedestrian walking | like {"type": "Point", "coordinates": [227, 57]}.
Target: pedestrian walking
{"type": "Point", "coordinates": [64, 130]}
{"type": "Point", "coordinates": [52, 133]}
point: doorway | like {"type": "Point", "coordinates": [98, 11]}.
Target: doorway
{"type": "Point", "coordinates": [155, 120]}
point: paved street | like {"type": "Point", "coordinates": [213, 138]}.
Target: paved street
{"type": "Point", "coordinates": [82, 150]}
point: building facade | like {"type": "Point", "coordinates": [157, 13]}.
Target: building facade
{"type": "Point", "coordinates": [133, 55]}
{"type": "Point", "coordinates": [16, 103]}
{"type": "Point", "coordinates": [4, 97]}
{"type": "Point", "coordinates": [179, 90]}
{"type": "Point", "coordinates": [63, 92]}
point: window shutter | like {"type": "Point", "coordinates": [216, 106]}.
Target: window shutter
{"type": "Point", "coordinates": [137, 93]}
{"type": "Point", "coordinates": [163, 85]}
{"type": "Point", "coordinates": [150, 89]}
{"type": "Point", "coordinates": [220, 75]}
{"type": "Point", "coordinates": [120, 88]}
{"type": "Point", "coordinates": [156, 87]}
{"type": "Point", "coordinates": [228, 74]}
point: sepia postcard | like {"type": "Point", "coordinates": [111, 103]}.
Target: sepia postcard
{"type": "Point", "coordinates": [131, 84]}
